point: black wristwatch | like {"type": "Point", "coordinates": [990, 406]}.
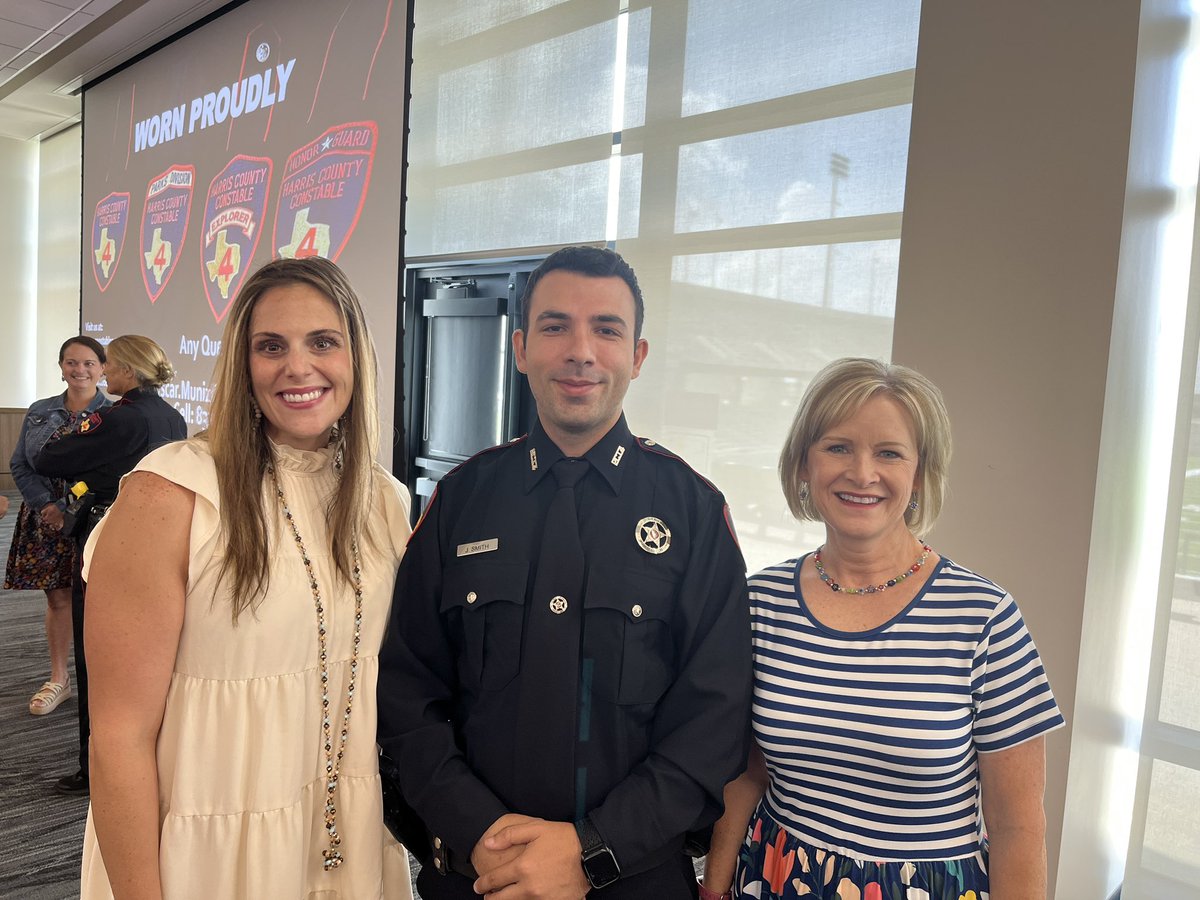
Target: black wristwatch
{"type": "Point", "coordinates": [599, 862]}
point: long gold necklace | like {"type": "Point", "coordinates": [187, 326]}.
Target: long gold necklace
{"type": "Point", "coordinates": [333, 763]}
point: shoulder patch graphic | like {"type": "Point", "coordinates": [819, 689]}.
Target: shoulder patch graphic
{"type": "Point", "coordinates": [324, 186]}
{"type": "Point", "coordinates": [164, 226]}
{"type": "Point", "coordinates": [729, 525]}
{"type": "Point", "coordinates": [233, 216]}
{"type": "Point", "coordinates": [91, 424]}
{"type": "Point", "coordinates": [110, 222]}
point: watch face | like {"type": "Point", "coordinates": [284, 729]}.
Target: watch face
{"type": "Point", "coordinates": [601, 867]}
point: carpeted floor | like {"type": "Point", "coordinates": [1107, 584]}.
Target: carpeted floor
{"type": "Point", "coordinates": [41, 832]}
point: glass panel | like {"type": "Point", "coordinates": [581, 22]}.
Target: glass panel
{"type": "Point", "coordinates": [538, 96]}
{"type": "Point", "coordinates": [742, 51]}
{"type": "Point", "coordinates": [443, 21]}
{"type": "Point", "coordinates": [856, 277]}
{"type": "Point", "coordinates": [559, 206]}
{"type": "Point", "coordinates": [1181, 671]}
{"type": "Point", "coordinates": [629, 199]}
{"type": "Point", "coordinates": [637, 66]}
{"type": "Point", "coordinates": [1172, 843]}
{"type": "Point", "coordinates": [849, 166]}
{"type": "Point", "coordinates": [741, 337]}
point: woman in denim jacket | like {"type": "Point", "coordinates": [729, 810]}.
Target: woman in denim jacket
{"type": "Point", "coordinates": [41, 558]}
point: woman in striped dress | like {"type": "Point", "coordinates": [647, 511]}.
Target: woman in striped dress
{"type": "Point", "coordinates": [900, 706]}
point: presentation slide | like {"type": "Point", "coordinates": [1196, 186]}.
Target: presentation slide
{"type": "Point", "coordinates": [268, 132]}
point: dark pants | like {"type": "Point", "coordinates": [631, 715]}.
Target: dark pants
{"type": "Point", "coordinates": [673, 880]}
{"type": "Point", "coordinates": [78, 589]}
{"type": "Point", "coordinates": [81, 679]}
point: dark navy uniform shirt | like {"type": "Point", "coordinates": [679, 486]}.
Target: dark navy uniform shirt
{"type": "Point", "coordinates": [109, 443]}
{"type": "Point", "coordinates": [665, 647]}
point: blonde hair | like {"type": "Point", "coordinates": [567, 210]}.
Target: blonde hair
{"type": "Point", "coordinates": [143, 358]}
{"type": "Point", "coordinates": [837, 392]}
{"type": "Point", "coordinates": [241, 451]}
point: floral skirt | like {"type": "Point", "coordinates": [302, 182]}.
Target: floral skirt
{"type": "Point", "coordinates": [39, 559]}
{"type": "Point", "coordinates": [776, 865]}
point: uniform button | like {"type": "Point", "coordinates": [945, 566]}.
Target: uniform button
{"type": "Point", "coordinates": [437, 843]}
{"type": "Point", "coordinates": [637, 610]}
{"type": "Point", "coordinates": [472, 597]}
{"type": "Point", "coordinates": [650, 443]}
{"type": "Point", "coordinates": [558, 605]}
{"type": "Point", "coordinates": [437, 863]}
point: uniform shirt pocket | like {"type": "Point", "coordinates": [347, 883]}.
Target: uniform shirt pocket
{"type": "Point", "coordinates": [627, 633]}
{"type": "Point", "coordinates": [488, 600]}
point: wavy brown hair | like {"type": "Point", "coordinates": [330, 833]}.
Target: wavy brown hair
{"type": "Point", "coordinates": [240, 448]}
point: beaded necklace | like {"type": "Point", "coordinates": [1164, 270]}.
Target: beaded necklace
{"type": "Point", "coordinates": [874, 588]}
{"type": "Point", "coordinates": [333, 764]}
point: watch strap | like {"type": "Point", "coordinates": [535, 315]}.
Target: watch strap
{"type": "Point", "coordinates": [589, 837]}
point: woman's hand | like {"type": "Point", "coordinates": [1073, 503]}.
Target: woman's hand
{"type": "Point", "coordinates": [51, 516]}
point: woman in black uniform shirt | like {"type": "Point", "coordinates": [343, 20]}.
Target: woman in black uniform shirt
{"type": "Point", "coordinates": [105, 447]}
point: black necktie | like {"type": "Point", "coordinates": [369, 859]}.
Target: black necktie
{"type": "Point", "coordinates": [545, 744]}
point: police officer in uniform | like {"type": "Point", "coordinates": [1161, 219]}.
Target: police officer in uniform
{"type": "Point", "coordinates": [106, 445]}
{"type": "Point", "coordinates": [565, 681]}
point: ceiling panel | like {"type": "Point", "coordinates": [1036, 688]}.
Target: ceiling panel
{"type": "Point", "coordinates": [38, 13]}
{"type": "Point", "coordinates": [37, 89]}
{"type": "Point", "coordinates": [17, 34]}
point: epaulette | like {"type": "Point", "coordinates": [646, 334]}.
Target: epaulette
{"type": "Point", "coordinates": [471, 459]}
{"type": "Point", "coordinates": [651, 446]}
{"type": "Point", "coordinates": [654, 447]}
{"type": "Point", "coordinates": [485, 451]}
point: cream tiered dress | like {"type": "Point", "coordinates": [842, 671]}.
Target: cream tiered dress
{"type": "Point", "coordinates": [240, 753]}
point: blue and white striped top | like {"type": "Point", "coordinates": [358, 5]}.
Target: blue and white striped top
{"type": "Point", "coordinates": [871, 738]}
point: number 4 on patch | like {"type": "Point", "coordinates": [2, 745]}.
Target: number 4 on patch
{"type": "Point", "coordinates": [308, 238]}
{"type": "Point", "coordinates": [225, 264]}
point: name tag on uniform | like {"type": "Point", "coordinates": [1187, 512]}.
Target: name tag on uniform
{"type": "Point", "coordinates": [479, 547]}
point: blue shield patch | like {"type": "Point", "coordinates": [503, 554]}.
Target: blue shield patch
{"type": "Point", "coordinates": [110, 222]}
{"type": "Point", "coordinates": [233, 216]}
{"type": "Point", "coordinates": [324, 186]}
{"type": "Point", "coordinates": [164, 225]}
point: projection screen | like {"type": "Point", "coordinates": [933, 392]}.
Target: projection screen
{"type": "Point", "coordinates": [275, 129]}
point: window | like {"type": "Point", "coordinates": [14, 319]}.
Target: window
{"type": "Point", "coordinates": [746, 156]}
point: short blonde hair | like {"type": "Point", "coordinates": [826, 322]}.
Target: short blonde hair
{"type": "Point", "coordinates": [836, 393]}
{"type": "Point", "coordinates": [143, 357]}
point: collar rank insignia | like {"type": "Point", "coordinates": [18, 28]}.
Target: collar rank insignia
{"type": "Point", "coordinates": [653, 535]}
{"type": "Point", "coordinates": [616, 457]}
{"type": "Point", "coordinates": [532, 459]}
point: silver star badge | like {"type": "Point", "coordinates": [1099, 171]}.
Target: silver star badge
{"type": "Point", "coordinates": [653, 535]}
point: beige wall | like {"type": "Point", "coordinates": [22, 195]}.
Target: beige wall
{"type": "Point", "coordinates": [59, 240]}
{"type": "Point", "coordinates": [1007, 293]}
{"type": "Point", "coordinates": [18, 262]}
{"type": "Point", "coordinates": [40, 236]}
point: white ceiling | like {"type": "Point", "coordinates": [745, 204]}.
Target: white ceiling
{"type": "Point", "coordinates": [50, 48]}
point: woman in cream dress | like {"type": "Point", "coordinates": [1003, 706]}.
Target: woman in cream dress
{"type": "Point", "coordinates": [238, 592]}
